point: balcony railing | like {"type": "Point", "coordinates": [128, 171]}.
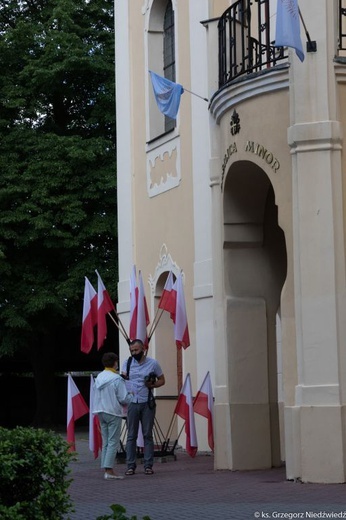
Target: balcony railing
{"type": "Point", "coordinates": [342, 25]}
{"type": "Point", "coordinates": [244, 40]}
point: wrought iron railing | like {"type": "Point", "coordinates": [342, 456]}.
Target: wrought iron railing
{"type": "Point", "coordinates": [245, 45]}
{"type": "Point", "coordinates": [342, 25]}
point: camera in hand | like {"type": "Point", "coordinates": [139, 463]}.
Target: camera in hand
{"type": "Point", "coordinates": [151, 378]}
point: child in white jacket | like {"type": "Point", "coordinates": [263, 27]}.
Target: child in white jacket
{"type": "Point", "coordinates": [109, 396]}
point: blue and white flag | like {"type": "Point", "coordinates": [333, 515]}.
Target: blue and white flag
{"type": "Point", "coordinates": [167, 94]}
{"type": "Point", "coordinates": [288, 26]}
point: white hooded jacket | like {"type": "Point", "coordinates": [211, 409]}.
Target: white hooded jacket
{"type": "Point", "coordinates": [110, 394]}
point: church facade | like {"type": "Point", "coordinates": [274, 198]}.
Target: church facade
{"type": "Point", "coordinates": [244, 193]}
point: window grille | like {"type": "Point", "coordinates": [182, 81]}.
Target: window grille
{"type": "Point", "coordinates": [342, 26]}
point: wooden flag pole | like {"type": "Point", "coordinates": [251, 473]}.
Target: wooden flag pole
{"type": "Point", "coordinates": [119, 324]}
{"type": "Point", "coordinates": [120, 327]}
{"type": "Point", "coordinates": [155, 323]}
{"type": "Point", "coordinates": [156, 317]}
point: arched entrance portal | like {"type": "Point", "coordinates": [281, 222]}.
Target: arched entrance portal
{"type": "Point", "coordinates": [255, 265]}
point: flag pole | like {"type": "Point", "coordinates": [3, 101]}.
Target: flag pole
{"type": "Point", "coordinates": [181, 430]}
{"type": "Point", "coordinates": [204, 380]}
{"type": "Point", "coordinates": [171, 424]}
{"type": "Point", "coordinates": [121, 328]}
{"type": "Point", "coordinates": [156, 317]}
{"type": "Point", "coordinates": [155, 323]}
{"type": "Point", "coordinates": [311, 46]}
{"type": "Point", "coordinates": [194, 94]}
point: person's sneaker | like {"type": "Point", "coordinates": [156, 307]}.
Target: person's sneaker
{"type": "Point", "coordinates": [108, 476]}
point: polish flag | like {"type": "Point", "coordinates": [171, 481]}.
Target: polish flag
{"type": "Point", "coordinates": [76, 408]}
{"type": "Point", "coordinates": [95, 437]}
{"type": "Point", "coordinates": [133, 304]}
{"type": "Point", "coordinates": [168, 297]}
{"type": "Point", "coordinates": [204, 405]}
{"type": "Point", "coordinates": [104, 306]}
{"type": "Point", "coordinates": [181, 329]}
{"type": "Point", "coordinates": [89, 317]}
{"type": "Point", "coordinates": [184, 408]}
{"type": "Point", "coordinates": [142, 313]}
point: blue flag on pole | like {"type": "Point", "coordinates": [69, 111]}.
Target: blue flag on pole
{"type": "Point", "coordinates": [167, 94]}
{"type": "Point", "coordinates": [288, 26]}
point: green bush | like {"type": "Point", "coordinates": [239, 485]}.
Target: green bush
{"type": "Point", "coordinates": [33, 475]}
{"type": "Point", "coordinates": [118, 514]}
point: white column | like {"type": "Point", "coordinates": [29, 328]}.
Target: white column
{"type": "Point", "coordinates": [124, 164]}
{"type": "Point", "coordinates": [223, 446]}
{"type": "Point", "coordinates": [203, 288]}
{"type": "Point", "coordinates": [315, 141]}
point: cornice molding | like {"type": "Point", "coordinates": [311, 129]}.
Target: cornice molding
{"type": "Point", "coordinates": [248, 87]}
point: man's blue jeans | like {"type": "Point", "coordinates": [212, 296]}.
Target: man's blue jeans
{"type": "Point", "coordinates": [110, 431]}
{"type": "Point", "coordinates": [136, 413]}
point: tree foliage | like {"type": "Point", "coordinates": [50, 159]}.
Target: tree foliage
{"type": "Point", "coordinates": [57, 163]}
{"type": "Point", "coordinates": [34, 475]}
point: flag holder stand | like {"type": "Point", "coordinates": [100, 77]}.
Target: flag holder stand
{"type": "Point", "coordinates": [164, 449]}
{"type": "Point", "coordinates": [311, 45]}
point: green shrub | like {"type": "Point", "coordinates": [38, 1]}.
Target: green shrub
{"type": "Point", "coordinates": [33, 475]}
{"type": "Point", "coordinates": [118, 514]}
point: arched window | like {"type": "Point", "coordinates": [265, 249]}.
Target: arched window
{"type": "Point", "coordinates": [169, 54]}
{"type": "Point", "coordinates": [161, 59]}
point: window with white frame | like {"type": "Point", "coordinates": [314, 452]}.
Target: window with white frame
{"type": "Point", "coordinates": [161, 59]}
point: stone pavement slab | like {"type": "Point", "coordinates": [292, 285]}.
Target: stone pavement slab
{"type": "Point", "coordinates": [190, 489]}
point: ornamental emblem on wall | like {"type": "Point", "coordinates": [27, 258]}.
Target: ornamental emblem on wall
{"type": "Point", "coordinates": [235, 123]}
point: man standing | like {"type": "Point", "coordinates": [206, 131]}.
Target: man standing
{"type": "Point", "coordinates": [109, 396]}
{"type": "Point", "coordinates": [144, 374]}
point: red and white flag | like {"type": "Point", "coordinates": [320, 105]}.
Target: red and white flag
{"type": "Point", "coordinates": [204, 405]}
{"type": "Point", "coordinates": [142, 313]}
{"type": "Point", "coordinates": [184, 408]}
{"type": "Point", "coordinates": [168, 297]}
{"type": "Point", "coordinates": [104, 306]}
{"type": "Point", "coordinates": [133, 304]}
{"type": "Point", "coordinates": [95, 437]}
{"type": "Point", "coordinates": [181, 329]}
{"type": "Point", "coordinates": [76, 408]}
{"type": "Point", "coordinates": [89, 317]}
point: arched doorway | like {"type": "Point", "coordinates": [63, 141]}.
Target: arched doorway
{"type": "Point", "coordinates": [170, 359]}
{"type": "Point", "coordinates": [255, 266]}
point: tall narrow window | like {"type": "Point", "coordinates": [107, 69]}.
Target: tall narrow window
{"type": "Point", "coordinates": [161, 59]}
{"type": "Point", "coordinates": [169, 54]}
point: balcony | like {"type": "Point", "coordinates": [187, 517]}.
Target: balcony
{"type": "Point", "coordinates": [342, 28]}
{"type": "Point", "coordinates": [245, 43]}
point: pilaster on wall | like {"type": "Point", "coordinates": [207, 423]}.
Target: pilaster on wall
{"type": "Point", "coordinates": [319, 260]}
{"type": "Point", "coordinates": [223, 448]}
{"type": "Point", "coordinates": [222, 412]}
{"type": "Point", "coordinates": [319, 268]}
{"type": "Point", "coordinates": [124, 164]}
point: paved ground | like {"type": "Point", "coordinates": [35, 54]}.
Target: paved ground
{"type": "Point", "coordinates": [190, 489]}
